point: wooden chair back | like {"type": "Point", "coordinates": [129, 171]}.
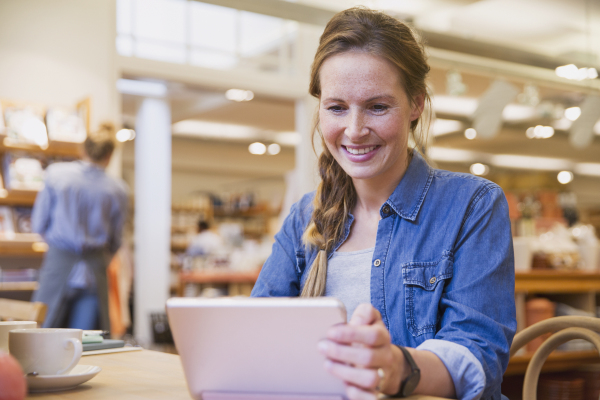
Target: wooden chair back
{"type": "Point", "coordinates": [22, 311]}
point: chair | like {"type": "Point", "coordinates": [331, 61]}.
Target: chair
{"type": "Point", "coordinates": [22, 310]}
{"type": "Point", "coordinates": [566, 328]}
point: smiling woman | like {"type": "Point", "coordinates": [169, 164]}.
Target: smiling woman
{"type": "Point", "coordinates": [422, 258]}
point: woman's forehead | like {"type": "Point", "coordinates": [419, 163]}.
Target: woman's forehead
{"type": "Point", "coordinates": [360, 74]}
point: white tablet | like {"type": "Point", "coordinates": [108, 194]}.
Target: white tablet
{"type": "Point", "coordinates": [248, 347]}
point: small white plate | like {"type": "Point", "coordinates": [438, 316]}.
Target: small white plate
{"type": "Point", "coordinates": [55, 383]}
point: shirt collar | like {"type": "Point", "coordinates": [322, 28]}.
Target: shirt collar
{"type": "Point", "coordinates": [408, 196]}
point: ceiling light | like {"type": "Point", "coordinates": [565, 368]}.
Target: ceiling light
{"type": "Point", "coordinates": [445, 126]}
{"type": "Point", "coordinates": [470, 133]}
{"type": "Point", "coordinates": [190, 127]}
{"type": "Point", "coordinates": [572, 113]}
{"type": "Point", "coordinates": [239, 95]}
{"type": "Point", "coordinates": [590, 169]}
{"type": "Point", "coordinates": [454, 105]}
{"type": "Point", "coordinates": [527, 162]}
{"type": "Point", "coordinates": [573, 73]}
{"type": "Point", "coordinates": [540, 132]}
{"type": "Point", "coordinates": [142, 88]}
{"type": "Point", "coordinates": [257, 148]}
{"type": "Point", "coordinates": [288, 138]}
{"type": "Point", "coordinates": [479, 169]}
{"type": "Point", "coordinates": [451, 155]}
{"type": "Point", "coordinates": [124, 135]}
{"type": "Point", "coordinates": [273, 149]}
{"type": "Point", "coordinates": [564, 177]}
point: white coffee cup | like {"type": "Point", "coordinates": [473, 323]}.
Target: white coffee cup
{"type": "Point", "coordinates": [46, 351]}
{"type": "Point", "coordinates": [7, 326]}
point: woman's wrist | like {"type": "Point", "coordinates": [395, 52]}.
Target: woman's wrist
{"type": "Point", "coordinates": [398, 372]}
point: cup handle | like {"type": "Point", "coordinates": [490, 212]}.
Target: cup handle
{"type": "Point", "coordinates": [76, 355]}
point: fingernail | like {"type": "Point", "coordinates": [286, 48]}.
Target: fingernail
{"type": "Point", "coordinates": [322, 347]}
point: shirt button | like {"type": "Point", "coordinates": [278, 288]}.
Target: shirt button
{"type": "Point", "coordinates": [377, 262]}
{"type": "Point", "coordinates": [386, 209]}
{"type": "Point", "coordinates": [432, 280]}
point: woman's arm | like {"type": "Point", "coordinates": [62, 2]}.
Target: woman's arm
{"type": "Point", "coordinates": [357, 350]}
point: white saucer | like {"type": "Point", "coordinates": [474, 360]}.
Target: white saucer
{"type": "Point", "coordinates": [55, 383]}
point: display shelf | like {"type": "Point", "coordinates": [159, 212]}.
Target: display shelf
{"type": "Point", "coordinates": [18, 286]}
{"type": "Point", "coordinates": [552, 282]}
{"type": "Point", "coordinates": [17, 197]}
{"type": "Point", "coordinates": [557, 361]}
{"type": "Point", "coordinates": [219, 277]}
{"type": "Point", "coordinates": [22, 244]}
{"type": "Point", "coordinates": [55, 148]}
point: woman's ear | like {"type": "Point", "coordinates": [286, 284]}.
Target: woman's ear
{"type": "Point", "coordinates": [418, 106]}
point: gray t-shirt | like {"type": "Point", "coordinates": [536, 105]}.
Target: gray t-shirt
{"type": "Point", "coordinates": [349, 278]}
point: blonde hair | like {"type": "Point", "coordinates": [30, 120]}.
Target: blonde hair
{"type": "Point", "coordinates": [373, 32]}
{"type": "Point", "coordinates": [100, 144]}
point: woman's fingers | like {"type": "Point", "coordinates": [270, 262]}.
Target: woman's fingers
{"type": "Point", "coordinates": [356, 355]}
{"type": "Point", "coordinates": [370, 335]}
{"type": "Point", "coordinates": [365, 314]}
{"type": "Point", "coordinates": [365, 379]}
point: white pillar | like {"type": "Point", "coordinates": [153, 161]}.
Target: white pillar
{"type": "Point", "coordinates": [307, 173]}
{"type": "Point", "coordinates": [152, 212]}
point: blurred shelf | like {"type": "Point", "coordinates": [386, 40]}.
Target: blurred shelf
{"type": "Point", "coordinates": [557, 361]}
{"type": "Point", "coordinates": [55, 148]}
{"type": "Point", "coordinates": [216, 276]}
{"type": "Point", "coordinates": [22, 244]}
{"type": "Point", "coordinates": [178, 248]}
{"type": "Point", "coordinates": [18, 286]}
{"type": "Point", "coordinates": [17, 197]}
{"type": "Point", "coordinates": [557, 282]}
{"type": "Point", "coordinates": [252, 212]}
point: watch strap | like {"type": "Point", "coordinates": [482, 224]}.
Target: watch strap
{"type": "Point", "coordinates": [414, 374]}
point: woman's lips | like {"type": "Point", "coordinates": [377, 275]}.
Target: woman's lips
{"type": "Point", "coordinates": [360, 154]}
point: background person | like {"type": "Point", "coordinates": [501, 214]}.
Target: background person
{"type": "Point", "coordinates": [424, 256]}
{"type": "Point", "coordinates": [80, 213]}
{"type": "Point", "coordinates": [206, 242]}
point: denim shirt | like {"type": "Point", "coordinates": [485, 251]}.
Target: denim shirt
{"type": "Point", "coordinates": [443, 270]}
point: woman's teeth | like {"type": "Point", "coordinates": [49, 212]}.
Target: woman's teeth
{"type": "Point", "coordinates": [360, 151]}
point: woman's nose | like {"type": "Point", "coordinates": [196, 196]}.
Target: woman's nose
{"type": "Point", "coordinates": [356, 127]}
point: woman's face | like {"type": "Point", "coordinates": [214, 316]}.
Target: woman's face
{"type": "Point", "coordinates": [365, 116]}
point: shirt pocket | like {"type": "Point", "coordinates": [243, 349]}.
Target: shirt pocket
{"type": "Point", "coordinates": [300, 262]}
{"type": "Point", "coordinates": [424, 284]}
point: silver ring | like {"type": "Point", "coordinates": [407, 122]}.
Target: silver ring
{"type": "Point", "coordinates": [381, 375]}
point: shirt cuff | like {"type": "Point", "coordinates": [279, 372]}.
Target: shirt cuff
{"type": "Point", "coordinates": [464, 368]}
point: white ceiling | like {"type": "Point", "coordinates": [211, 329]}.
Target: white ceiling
{"type": "Point", "coordinates": [550, 27]}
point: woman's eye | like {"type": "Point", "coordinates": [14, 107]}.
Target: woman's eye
{"type": "Point", "coordinates": [335, 108]}
{"type": "Point", "coordinates": [380, 108]}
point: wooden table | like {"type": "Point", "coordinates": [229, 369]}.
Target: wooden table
{"type": "Point", "coordinates": [135, 375]}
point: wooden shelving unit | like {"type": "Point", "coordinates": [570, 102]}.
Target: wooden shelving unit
{"type": "Point", "coordinates": [235, 279]}
{"type": "Point", "coordinates": [576, 287]}
{"type": "Point", "coordinates": [18, 286]}
{"type": "Point", "coordinates": [22, 244]}
{"type": "Point", "coordinates": [549, 282]}
{"type": "Point", "coordinates": [55, 148]}
{"type": "Point", "coordinates": [557, 361]}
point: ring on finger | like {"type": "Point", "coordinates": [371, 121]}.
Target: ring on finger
{"type": "Point", "coordinates": [381, 375]}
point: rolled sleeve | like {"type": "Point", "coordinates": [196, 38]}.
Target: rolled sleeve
{"type": "Point", "coordinates": [464, 368]}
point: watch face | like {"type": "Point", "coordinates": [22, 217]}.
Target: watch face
{"type": "Point", "coordinates": [411, 383]}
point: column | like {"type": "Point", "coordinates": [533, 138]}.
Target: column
{"type": "Point", "coordinates": [152, 224]}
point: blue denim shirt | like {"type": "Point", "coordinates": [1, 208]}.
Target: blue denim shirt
{"type": "Point", "coordinates": [442, 270]}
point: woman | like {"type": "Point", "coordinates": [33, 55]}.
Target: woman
{"type": "Point", "coordinates": [80, 213]}
{"type": "Point", "coordinates": [421, 257]}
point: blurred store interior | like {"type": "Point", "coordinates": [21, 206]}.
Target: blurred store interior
{"type": "Point", "coordinates": [212, 98]}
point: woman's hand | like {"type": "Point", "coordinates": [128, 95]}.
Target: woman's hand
{"type": "Point", "coordinates": [362, 355]}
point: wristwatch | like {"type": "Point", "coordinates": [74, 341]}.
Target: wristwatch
{"type": "Point", "coordinates": [408, 385]}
